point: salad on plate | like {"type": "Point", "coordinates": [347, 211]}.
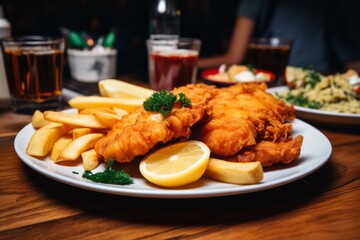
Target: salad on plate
{"type": "Point", "coordinates": [338, 93]}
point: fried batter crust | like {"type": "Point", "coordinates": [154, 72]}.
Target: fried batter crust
{"type": "Point", "coordinates": [137, 133]}
{"type": "Point", "coordinates": [247, 121]}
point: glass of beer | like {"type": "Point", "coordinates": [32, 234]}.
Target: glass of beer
{"type": "Point", "coordinates": [172, 63]}
{"type": "Point", "coordinates": [271, 54]}
{"type": "Point", "coordinates": [34, 68]}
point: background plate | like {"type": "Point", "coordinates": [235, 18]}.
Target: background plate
{"type": "Point", "coordinates": [319, 115]}
{"type": "Point", "coordinates": [206, 73]}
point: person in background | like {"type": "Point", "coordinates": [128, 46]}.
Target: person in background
{"type": "Point", "coordinates": [324, 33]}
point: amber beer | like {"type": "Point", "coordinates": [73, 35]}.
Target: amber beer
{"type": "Point", "coordinates": [34, 73]}
{"type": "Point", "coordinates": [270, 54]}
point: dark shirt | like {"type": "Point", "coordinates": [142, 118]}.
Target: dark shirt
{"type": "Point", "coordinates": [314, 27]}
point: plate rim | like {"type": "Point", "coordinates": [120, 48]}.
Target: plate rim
{"type": "Point", "coordinates": [157, 192]}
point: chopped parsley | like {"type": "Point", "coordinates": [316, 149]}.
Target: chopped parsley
{"type": "Point", "coordinates": [164, 101]}
{"type": "Point", "coordinates": [311, 78]}
{"type": "Point", "coordinates": [109, 175]}
{"type": "Point", "coordinates": [300, 101]}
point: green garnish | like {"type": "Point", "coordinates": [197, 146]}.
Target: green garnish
{"type": "Point", "coordinates": [311, 78]}
{"type": "Point", "coordinates": [164, 101]}
{"type": "Point", "coordinates": [300, 101]}
{"type": "Point", "coordinates": [186, 102]}
{"type": "Point", "coordinates": [251, 68]}
{"type": "Point", "coordinates": [109, 175]}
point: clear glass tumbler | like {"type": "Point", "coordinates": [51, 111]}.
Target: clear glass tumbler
{"type": "Point", "coordinates": [172, 63]}
{"type": "Point", "coordinates": [34, 69]}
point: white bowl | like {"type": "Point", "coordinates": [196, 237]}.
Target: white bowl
{"type": "Point", "coordinates": [92, 66]}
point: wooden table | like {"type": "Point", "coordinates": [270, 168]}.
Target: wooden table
{"type": "Point", "coordinates": [323, 205]}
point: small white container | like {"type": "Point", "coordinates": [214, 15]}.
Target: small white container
{"type": "Point", "coordinates": [92, 66]}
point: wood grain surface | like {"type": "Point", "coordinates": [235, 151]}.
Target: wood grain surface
{"type": "Point", "coordinates": [323, 205]}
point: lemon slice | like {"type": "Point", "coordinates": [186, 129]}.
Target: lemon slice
{"type": "Point", "coordinates": [177, 164]}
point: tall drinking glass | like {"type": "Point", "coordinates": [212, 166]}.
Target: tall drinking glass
{"type": "Point", "coordinates": [34, 68]}
{"type": "Point", "coordinates": [271, 54]}
{"type": "Point", "coordinates": [172, 63]}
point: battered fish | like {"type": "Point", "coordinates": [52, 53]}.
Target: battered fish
{"type": "Point", "coordinates": [240, 122]}
{"type": "Point", "coordinates": [137, 133]}
{"type": "Point", "coordinates": [245, 122]}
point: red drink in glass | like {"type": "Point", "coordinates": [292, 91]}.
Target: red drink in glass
{"type": "Point", "coordinates": [172, 62]}
{"type": "Point", "coordinates": [171, 69]}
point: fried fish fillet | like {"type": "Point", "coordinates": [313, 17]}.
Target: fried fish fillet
{"type": "Point", "coordinates": [240, 122]}
{"type": "Point", "coordinates": [137, 133]}
{"type": "Point", "coordinates": [243, 120]}
{"type": "Point", "coordinates": [271, 153]}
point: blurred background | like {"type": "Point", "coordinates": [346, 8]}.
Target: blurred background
{"type": "Point", "coordinates": [209, 20]}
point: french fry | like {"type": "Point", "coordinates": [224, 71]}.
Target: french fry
{"type": "Point", "coordinates": [43, 140]}
{"type": "Point", "coordinates": [73, 151]}
{"type": "Point", "coordinates": [120, 112]}
{"type": "Point", "coordinates": [53, 125]}
{"type": "Point", "coordinates": [38, 120]}
{"type": "Point", "coordinates": [78, 132]}
{"type": "Point", "coordinates": [59, 146]}
{"type": "Point", "coordinates": [90, 159]}
{"type": "Point", "coordinates": [128, 104]}
{"type": "Point", "coordinates": [234, 172]}
{"type": "Point", "coordinates": [120, 89]}
{"type": "Point", "coordinates": [81, 120]}
{"type": "Point", "coordinates": [93, 110]}
{"type": "Point", "coordinates": [107, 118]}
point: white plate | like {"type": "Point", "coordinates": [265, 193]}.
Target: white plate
{"type": "Point", "coordinates": [310, 160]}
{"type": "Point", "coordinates": [320, 115]}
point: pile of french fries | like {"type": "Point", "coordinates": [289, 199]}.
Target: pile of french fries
{"type": "Point", "coordinates": [65, 136]}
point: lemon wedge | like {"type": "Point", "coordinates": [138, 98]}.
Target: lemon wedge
{"type": "Point", "coordinates": [121, 89]}
{"type": "Point", "coordinates": [176, 164]}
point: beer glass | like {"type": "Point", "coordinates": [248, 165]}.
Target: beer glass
{"type": "Point", "coordinates": [34, 68]}
{"type": "Point", "coordinates": [271, 54]}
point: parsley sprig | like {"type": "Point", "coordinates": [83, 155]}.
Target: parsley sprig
{"type": "Point", "coordinates": [164, 101]}
{"type": "Point", "coordinates": [109, 175]}
{"type": "Point", "coordinates": [186, 102]}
